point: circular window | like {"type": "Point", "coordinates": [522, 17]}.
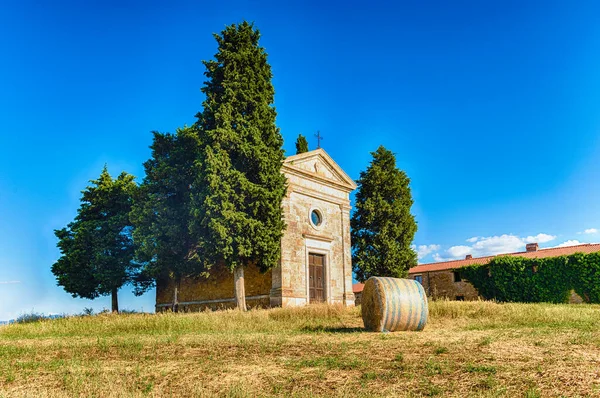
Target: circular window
{"type": "Point", "coordinates": [316, 218]}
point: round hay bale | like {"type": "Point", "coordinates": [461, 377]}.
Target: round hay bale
{"type": "Point", "coordinates": [392, 304]}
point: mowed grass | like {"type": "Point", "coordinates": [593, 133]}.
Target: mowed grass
{"type": "Point", "coordinates": [478, 349]}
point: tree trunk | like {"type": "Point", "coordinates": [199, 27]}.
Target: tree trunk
{"type": "Point", "coordinates": [240, 288]}
{"type": "Point", "coordinates": [175, 306]}
{"type": "Point", "coordinates": [115, 301]}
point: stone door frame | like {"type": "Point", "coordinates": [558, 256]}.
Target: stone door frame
{"type": "Point", "coordinates": [326, 253]}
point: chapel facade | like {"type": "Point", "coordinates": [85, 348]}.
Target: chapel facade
{"type": "Point", "coordinates": [315, 264]}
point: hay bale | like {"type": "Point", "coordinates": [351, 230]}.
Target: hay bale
{"type": "Point", "coordinates": [392, 304]}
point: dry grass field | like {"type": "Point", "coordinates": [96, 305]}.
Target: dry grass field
{"type": "Point", "coordinates": [478, 349]}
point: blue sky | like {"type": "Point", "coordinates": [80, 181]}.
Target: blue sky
{"type": "Point", "coordinates": [492, 108]}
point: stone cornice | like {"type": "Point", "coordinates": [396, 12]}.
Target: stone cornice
{"type": "Point", "coordinates": [318, 195]}
{"type": "Point", "coordinates": [345, 207]}
{"type": "Point", "coordinates": [333, 167]}
{"type": "Point", "coordinates": [322, 238]}
{"type": "Point", "coordinates": [287, 168]}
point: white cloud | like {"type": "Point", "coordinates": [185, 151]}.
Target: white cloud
{"type": "Point", "coordinates": [539, 238]}
{"type": "Point", "coordinates": [438, 258]}
{"type": "Point", "coordinates": [9, 282]}
{"type": "Point", "coordinates": [424, 250]}
{"type": "Point", "coordinates": [572, 242]}
{"type": "Point", "coordinates": [491, 246]}
{"type": "Point", "coordinates": [590, 231]}
{"type": "Point", "coordinates": [459, 251]}
{"type": "Point", "coordinates": [497, 244]}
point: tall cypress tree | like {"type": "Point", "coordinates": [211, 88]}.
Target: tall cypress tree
{"type": "Point", "coordinates": [301, 144]}
{"type": "Point", "coordinates": [162, 214]}
{"type": "Point", "coordinates": [97, 247]}
{"type": "Point", "coordinates": [382, 227]}
{"type": "Point", "coordinates": [241, 187]}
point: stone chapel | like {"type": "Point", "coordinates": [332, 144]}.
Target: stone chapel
{"type": "Point", "coordinates": [315, 263]}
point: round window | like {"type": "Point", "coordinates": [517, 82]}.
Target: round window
{"type": "Point", "coordinates": [316, 218]}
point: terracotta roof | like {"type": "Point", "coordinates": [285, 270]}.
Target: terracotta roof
{"type": "Point", "coordinates": [541, 253]}
{"type": "Point", "coordinates": [358, 287]}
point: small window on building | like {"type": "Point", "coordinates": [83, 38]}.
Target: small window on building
{"type": "Point", "coordinates": [316, 218]}
{"type": "Point", "coordinates": [460, 298]}
{"type": "Point", "coordinates": [419, 278]}
{"type": "Point", "coordinates": [457, 277]}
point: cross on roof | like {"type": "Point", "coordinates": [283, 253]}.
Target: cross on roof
{"type": "Point", "coordinates": [319, 138]}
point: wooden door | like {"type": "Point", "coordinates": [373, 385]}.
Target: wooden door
{"type": "Point", "coordinates": [316, 277]}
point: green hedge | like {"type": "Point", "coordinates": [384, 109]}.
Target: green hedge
{"type": "Point", "coordinates": [532, 280]}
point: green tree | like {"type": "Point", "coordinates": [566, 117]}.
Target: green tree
{"type": "Point", "coordinates": [162, 213]}
{"type": "Point", "coordinates": [241, 187]}
{"type": "Point", "coordinates": [301, 144]}
{"type": "Point", "coordinates": [382, 227]}
{"type": "Point", "coordinates": [97, 249]}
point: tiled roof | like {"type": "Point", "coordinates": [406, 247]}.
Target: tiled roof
{"type": "Point", "coordinates": [541, 253]}
{"type": "Point", "coordinates": [358, 287]}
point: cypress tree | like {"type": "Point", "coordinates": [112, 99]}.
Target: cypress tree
{"type": "Point", "coordinates": [162, 214]}
{"type": "Point", "coordinates": [97, 247]}
{"type": "Point", "coordinates": [239, 215]}
{"type": "Point", "coordinates": [382, 227]}
{"type": "Point", "coordinates": [301, 144]}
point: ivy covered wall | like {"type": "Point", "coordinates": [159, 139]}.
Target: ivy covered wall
{"type": "Point", "coordinates": [520, 279]}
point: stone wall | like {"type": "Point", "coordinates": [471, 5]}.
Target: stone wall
{"type": "Point", "coordinates": [441, 285]}
{"type": "Point", "coordinates": [357, 298]}
{"type": "Point", "coordinates": [215, 292]}
{"type": "Point", "coordinates": [574, 298]}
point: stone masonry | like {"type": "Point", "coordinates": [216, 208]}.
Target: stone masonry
{"type": "Point", "coordinates": [443, 285]}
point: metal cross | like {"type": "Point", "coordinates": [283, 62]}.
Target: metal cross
{"type": "Point", "coordinates": [319, 138]}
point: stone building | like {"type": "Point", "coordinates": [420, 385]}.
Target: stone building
{"type": "Point", "coordinates": [357, 289]}
{"type": "Point", "coordinates": [443, 280]}
{"type": "Point", "coordinates": [315, 263]}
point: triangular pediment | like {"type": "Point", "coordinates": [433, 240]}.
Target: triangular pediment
{"type": "Point", "coordinates": [318, 164]}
